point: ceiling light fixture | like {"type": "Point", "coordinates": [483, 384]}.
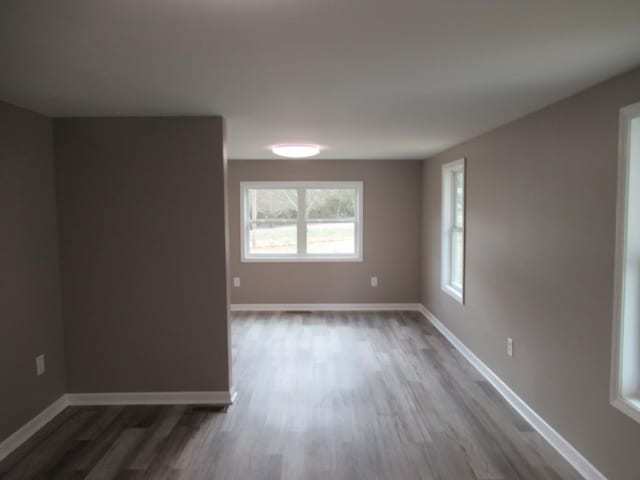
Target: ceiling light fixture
{"type": "Point", "coordinates": [296, 151]}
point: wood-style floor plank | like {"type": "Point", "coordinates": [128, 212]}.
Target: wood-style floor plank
{"type": "Point", "coordinates": [323, 395]}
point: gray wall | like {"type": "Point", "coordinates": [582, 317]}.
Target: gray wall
{"type": "Point", "coordinates": [31, 322]}
{"type": "Point", "coordinates": [141, 206]}
{"type": "Point", "coordinates": [391, 242]}
{"type": "Point", "coordinates": [541, 200]}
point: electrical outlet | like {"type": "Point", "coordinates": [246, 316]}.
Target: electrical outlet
{"type": "Point", "coordinates": [510, 346]}
{"type": "Point", "coordinates": [374, 281]}
{"type": "Point", "coordinates": [40, 367]}
{"type": "Point", "coordinates": [236, 281]}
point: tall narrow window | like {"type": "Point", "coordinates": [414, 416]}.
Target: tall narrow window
{"type": "Point", "coordinates": [453, 218]}
{"type": "Point", "coordinates": [301, 221]}
{"type": "Point", "coordinates": [625, 383]}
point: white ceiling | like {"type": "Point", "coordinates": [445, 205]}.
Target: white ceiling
{"type": "Point", "coordinates": [366, 78]}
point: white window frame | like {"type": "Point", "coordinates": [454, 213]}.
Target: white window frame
{"type": "Point", "coordinates": [625, 370]}
{"type": "Point", "coordinates": [301, 255]}
{"type": "Point", "coordinates": [448, 227]}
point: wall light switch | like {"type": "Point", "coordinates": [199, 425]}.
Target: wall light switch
{"type": "Point", "coordinates": [40, 368]}
{"type": "Point", "coordinates": [236, 281]}
{"type": "Point", "coordinates": [510, 346]}
{"type": "Point", "coordinates": [374, 281]}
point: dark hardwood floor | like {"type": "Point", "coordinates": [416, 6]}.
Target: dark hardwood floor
{"type": "Point", "coordinates": [321, 396]}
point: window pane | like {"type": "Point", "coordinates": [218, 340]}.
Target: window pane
{"type": "Point", "coordinates": [272, 238]}
{"type": "Point", "coordinates": [328, 203]}
{"type": "Point", "coordinates": [331, 238]}
{"type": "Point", "coordinates": [458, 192]}
{"type": "Point", "coordinates": [457, 257]}
{"type": "Point", "coordinates": [273, 203]}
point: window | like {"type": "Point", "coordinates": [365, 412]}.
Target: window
{"type": "Point", "coordinates": [301, 221]}
{"type": "Point", "coordinates": [453, 213]}
{"type": "Point", "coordinates": [625, 382]}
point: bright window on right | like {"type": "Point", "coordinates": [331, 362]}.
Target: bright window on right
{"type": "Point", "coordinates": [625, 378]}
{"type": "Point", "coordinates": [453, 230]}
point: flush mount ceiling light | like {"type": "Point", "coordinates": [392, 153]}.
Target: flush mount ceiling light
{"type": "Point", "coordinates": [296, 151]}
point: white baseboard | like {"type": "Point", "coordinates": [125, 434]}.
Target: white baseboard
{"type": "Point", "coordinates": [152, 398]}
{"type": "Point", "coordinates": [324, 307]}
{"type": "Point", "coordinates": [137, 398]}
{"type": "Point", "coordinates": [564, 448]}
{"type": "Point", "coordinates": [573, 456]}
{"type": "Point", "coordinates": [84, 399]}
{"type": "Point", "coordinates": [32, 426]}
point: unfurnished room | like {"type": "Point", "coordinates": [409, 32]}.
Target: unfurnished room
{"type": "Point", "coordinates": [320, 240]}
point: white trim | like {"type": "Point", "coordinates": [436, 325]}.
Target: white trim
{"type": "Point", "coordinates": [152, 398]}
{"type": "Point", "coordinates": [23, 434]}
{"type": "Point", "coordinates": [625, 351]}
{"type": "Point", "coordinates": [562, 446]}
{"type": "Point", "coordinates": [628, 406]}
{"type": "Point", "coordinates": [447, 223]}
{"type": "Point", "coordinates": [324, 307]}
{"type": "Point", "coordinates": [454, 293]}
{"type": "Point", "coordinates": [301, 222]}
{"type": "Point", "coordinates": [305, 259]}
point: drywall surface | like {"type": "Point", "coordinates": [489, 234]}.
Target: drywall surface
{"type": "Point", "coordinates": [540, 233]}
{"type": "Point", "coordinates": [391, 240]}
{"type": "Point", "coordinates": [143, 251]}
{"type": "Point", "coordinates": [31, 321]}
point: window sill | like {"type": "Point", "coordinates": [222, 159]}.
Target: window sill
{"type": "Point", "coordinates": [452, 292]}
{"type": "Point", "coordinates": [630, 406]}
{"type": "Point", "coordinates": [300, 259]}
